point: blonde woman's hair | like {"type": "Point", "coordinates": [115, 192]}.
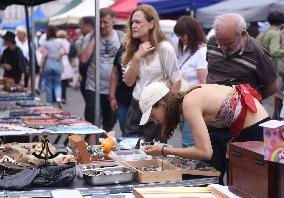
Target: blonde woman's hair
{"type": "Point", "coordinates": [61, 34]}
{"type": "Point", "coordinates": [156, 34]}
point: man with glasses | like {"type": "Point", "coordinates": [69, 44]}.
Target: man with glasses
{"type": "Point", "coordinates": [110, 42]}
{"type": "Point", "coordinates": [234, 57]}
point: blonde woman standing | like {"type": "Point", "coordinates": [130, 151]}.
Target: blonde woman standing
{"type": "Point", "coordinates": [149, 58]}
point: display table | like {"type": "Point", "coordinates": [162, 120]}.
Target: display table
{"type": "Point", "coordinates": [88, 190]}
{"type": "Point", "coordinates": [25, 121]}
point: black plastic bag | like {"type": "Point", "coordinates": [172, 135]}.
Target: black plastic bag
{"type": "Point", "coordinates": [20, 181]}
{"type": "Point", "coordinates": [55, 176]}
{"type": "Point", "coordinates": [45, 176]}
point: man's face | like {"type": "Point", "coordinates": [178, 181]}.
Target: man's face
{"type": "Point", "coordinates": [7, 42]}
{"type": "Point", "coordinates": [83, 28]}
{"type": "Point", "coordinates": [21, 36]}
{"type": "Point", "coordinates": [106, 24]}
{"type": "Point", "coordinates": [229, 42]}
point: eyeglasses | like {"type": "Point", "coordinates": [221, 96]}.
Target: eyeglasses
{"type": "Point", "coordinates": [231, 44]}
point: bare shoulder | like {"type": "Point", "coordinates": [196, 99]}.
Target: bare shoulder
{"type": "Point", "coordinates": [193, 98]}
{"type": "Point", "coordinates": [204, 95]}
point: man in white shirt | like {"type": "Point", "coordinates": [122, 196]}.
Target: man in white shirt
{"type": "Point", "coordinates": [22, 43]}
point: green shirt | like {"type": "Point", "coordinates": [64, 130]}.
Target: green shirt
{"type": "Point", "coordinates": [270, 39]}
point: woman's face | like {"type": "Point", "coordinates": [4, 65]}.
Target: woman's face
{"type": "Point", "coordinates": [140, 27]}
{"type": "Point", "coordinates": [183, 39]}
{"type": "Point", "coordinates": [158, 115]}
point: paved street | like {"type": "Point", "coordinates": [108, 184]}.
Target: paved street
{"type": "Point", "coordinates": [75, 104]}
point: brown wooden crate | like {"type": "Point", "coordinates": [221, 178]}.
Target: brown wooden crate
{"type": "Point", "coordinates": [250, 175]}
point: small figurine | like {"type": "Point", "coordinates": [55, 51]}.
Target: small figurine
{"type": "Point", "coordinates": [109, 143]}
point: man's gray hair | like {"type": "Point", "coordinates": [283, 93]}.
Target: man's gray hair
{"type": "Point", "coordinates": [222, 21]}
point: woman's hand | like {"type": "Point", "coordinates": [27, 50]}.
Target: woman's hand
{"type": "Point", "coordinates": [113, 104]}
{"type": "Point", "coordinates": [7, 66]}
{"type": "Point", "coordinates": [153, 149]}
{"type": "Point", "coordinates": [41, 70]}
{"type": "Point", "coordinates": [144, 48]}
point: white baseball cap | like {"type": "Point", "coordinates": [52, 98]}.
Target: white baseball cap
{"type": "Point", "coordinates": [150, 95]}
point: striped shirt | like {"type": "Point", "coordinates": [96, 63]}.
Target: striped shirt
{"type": "Point", "coordinates": [252, 66]}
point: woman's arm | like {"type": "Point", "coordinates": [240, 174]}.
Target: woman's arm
{"type": "Point", "coordinates": [43, 51]}
{"type": "Point", "coordinates": [202, 75]}
{"type": "Point", "coordinates": [132, 70]}
{"type": "Point", "coordinates": [201, 64]}
{"type": "Point", "coordinates": [175, 87]}
{"type": "Point", "coordinates": [112, 88]}
{"type": "Point", "coordinates": [169, 63]}
{"type": "Point", "coordinates": [202, 150]}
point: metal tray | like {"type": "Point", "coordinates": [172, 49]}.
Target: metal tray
{"type": "Point", "coordinates": [91, 177]}
{"type": "Point", "coordinates": [80, 168]}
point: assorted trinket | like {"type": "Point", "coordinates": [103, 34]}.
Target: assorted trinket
{"type": "Point", "coordinates": [150, 168]}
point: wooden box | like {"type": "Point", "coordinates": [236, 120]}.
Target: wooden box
{"type": "Point", "coordinates": [250, 175]}
{"type": "Point", "coordinates": [168, 172]}
{"type": "Point", "coordinates": [79, 148]}
{"type": "Point", "coordinates": [178, 192]}
{"type": "Point", "coordinates": [280, 185]}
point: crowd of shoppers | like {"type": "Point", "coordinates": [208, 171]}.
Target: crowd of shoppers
{"type": "Point", "coordinates": [131, 62]}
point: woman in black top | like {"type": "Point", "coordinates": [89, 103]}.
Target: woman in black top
{"type": "Point", "coordinates": [120, 94]}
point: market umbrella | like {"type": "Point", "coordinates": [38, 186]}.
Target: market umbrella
{"type": "Point", "coordinates": [72, 17]}
{"type": "Point", "coordinates": [253, 10]}
{"type": "Point", "coordinates": [123, 8]}
{"type": "Point", "coordinates": [26, 3]}
{"type": "Point", "coordinates": [169, 7]}
{"type": "Point", "coordinates": [41, 24]}
{"type": "Point", "coordinates": [5, 3]}
{"type": "Point", "coordinates": [37, 15]}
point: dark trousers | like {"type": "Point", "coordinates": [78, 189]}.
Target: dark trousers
{"type": "Point", "coordinates": [83, 89]}
{"type": "Point", "coordinates": [64, 85]}
{"type": "Point", "coordinates": [220, 138]}
{"type": "Point", "coordinates": [26, 80]}
{"type": "Point", "coordinates": [108, 116]}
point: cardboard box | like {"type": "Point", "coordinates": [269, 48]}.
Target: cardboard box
{"type": "Point", "coordinates": [273, 134]}
{"type": "Point", "coordinates": [168, 172]}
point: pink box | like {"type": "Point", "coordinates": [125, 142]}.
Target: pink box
{"type": "Point", "coordinates": [273, 134]}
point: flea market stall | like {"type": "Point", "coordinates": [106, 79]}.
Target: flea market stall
{"type": "Point", "coordinates": [115, 166]}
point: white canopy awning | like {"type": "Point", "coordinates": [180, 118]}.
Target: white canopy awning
{"type": "Point", "coordinates": [252, 10]}
{"type": "Point", "coordinates": [86, 8]}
